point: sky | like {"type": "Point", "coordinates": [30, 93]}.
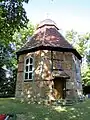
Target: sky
{"type": "Point", "coordinates": [67, 14]}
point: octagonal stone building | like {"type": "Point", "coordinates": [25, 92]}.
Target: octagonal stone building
{"type": "Point", "coordinates": [48, 66]}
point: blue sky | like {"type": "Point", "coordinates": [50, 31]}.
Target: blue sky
{"type": "Point", "coordinates": [68, 14]}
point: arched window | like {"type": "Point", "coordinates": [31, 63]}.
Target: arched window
{"type": "Point", "coordinates": [28, 74]}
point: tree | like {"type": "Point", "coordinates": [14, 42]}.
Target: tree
{"type": "Point", "coordinates": [23, 35]}
{"type": "Point", "coordinates": [80, 43]}
{"type": "Point", "coordinates": [86, 76]}
{"type": "Point", "coordinates": [12, 18]}
{"type": "Point", "coordinates": [9, 60]}
{"type": "Point", "coordinates": [71, 36]}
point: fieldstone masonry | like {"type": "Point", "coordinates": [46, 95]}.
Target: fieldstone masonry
{"type": "Point", "coordinates": [54, 59]}
{"type": "Point", "coordinates": [40, 86]}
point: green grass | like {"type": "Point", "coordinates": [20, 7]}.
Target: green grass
{"type": "Point", "coordinates": [24, 111]}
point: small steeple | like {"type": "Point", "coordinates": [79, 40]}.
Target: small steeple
{"type": "Point", "coordinates": [47, 22]}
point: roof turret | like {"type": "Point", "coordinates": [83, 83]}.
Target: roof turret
{"type": "Point", "coordinates": [47, 22]}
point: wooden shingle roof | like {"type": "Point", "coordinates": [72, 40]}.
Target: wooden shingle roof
{"type": "Point", "coordinates": [47, 37]}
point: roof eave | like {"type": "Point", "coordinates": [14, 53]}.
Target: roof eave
{"type": "Point", "coordinates": [60, 49]}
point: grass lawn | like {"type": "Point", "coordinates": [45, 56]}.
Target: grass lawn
{"type": "Point", "coordinates": [24, 111]}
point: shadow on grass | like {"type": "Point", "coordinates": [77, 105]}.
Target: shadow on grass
{"type": "Point", "coordinates": [24, 111]}
{"type": "Point", "coordinates": [79, 111]}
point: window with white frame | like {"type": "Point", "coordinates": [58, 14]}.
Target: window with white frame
{"type": "Point", "coordinates": [28, 74]}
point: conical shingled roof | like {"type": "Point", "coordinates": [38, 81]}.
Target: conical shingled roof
{"type": "Point", "coordinates": [47, 37]}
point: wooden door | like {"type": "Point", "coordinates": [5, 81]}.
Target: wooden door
{"type": "Point", "coordinates": [59, 85]}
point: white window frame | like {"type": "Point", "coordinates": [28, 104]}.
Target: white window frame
{"type": "Point", "coordinates": [28, 66]}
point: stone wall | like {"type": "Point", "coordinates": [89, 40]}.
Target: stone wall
{"type": "Point", "coordinates": [39, 87]}
{"type": "Point", "coordinates": [19, 83]}
{"type": "Point", "coordinates": [42, 81]}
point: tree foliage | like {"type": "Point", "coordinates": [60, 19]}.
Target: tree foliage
{"type": "Point", "coordinates": [7, 85]}
{"type": "Point", "coordinates": [81, 44]}
{"type": "Point", "coordinates": [12, 17]}
{"type": "Point", "coordinates": [86, 76]}
{"type": "Point", "coordinates": [9, 60]}
{"type": "Point", "coordinates": [23, 35]}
